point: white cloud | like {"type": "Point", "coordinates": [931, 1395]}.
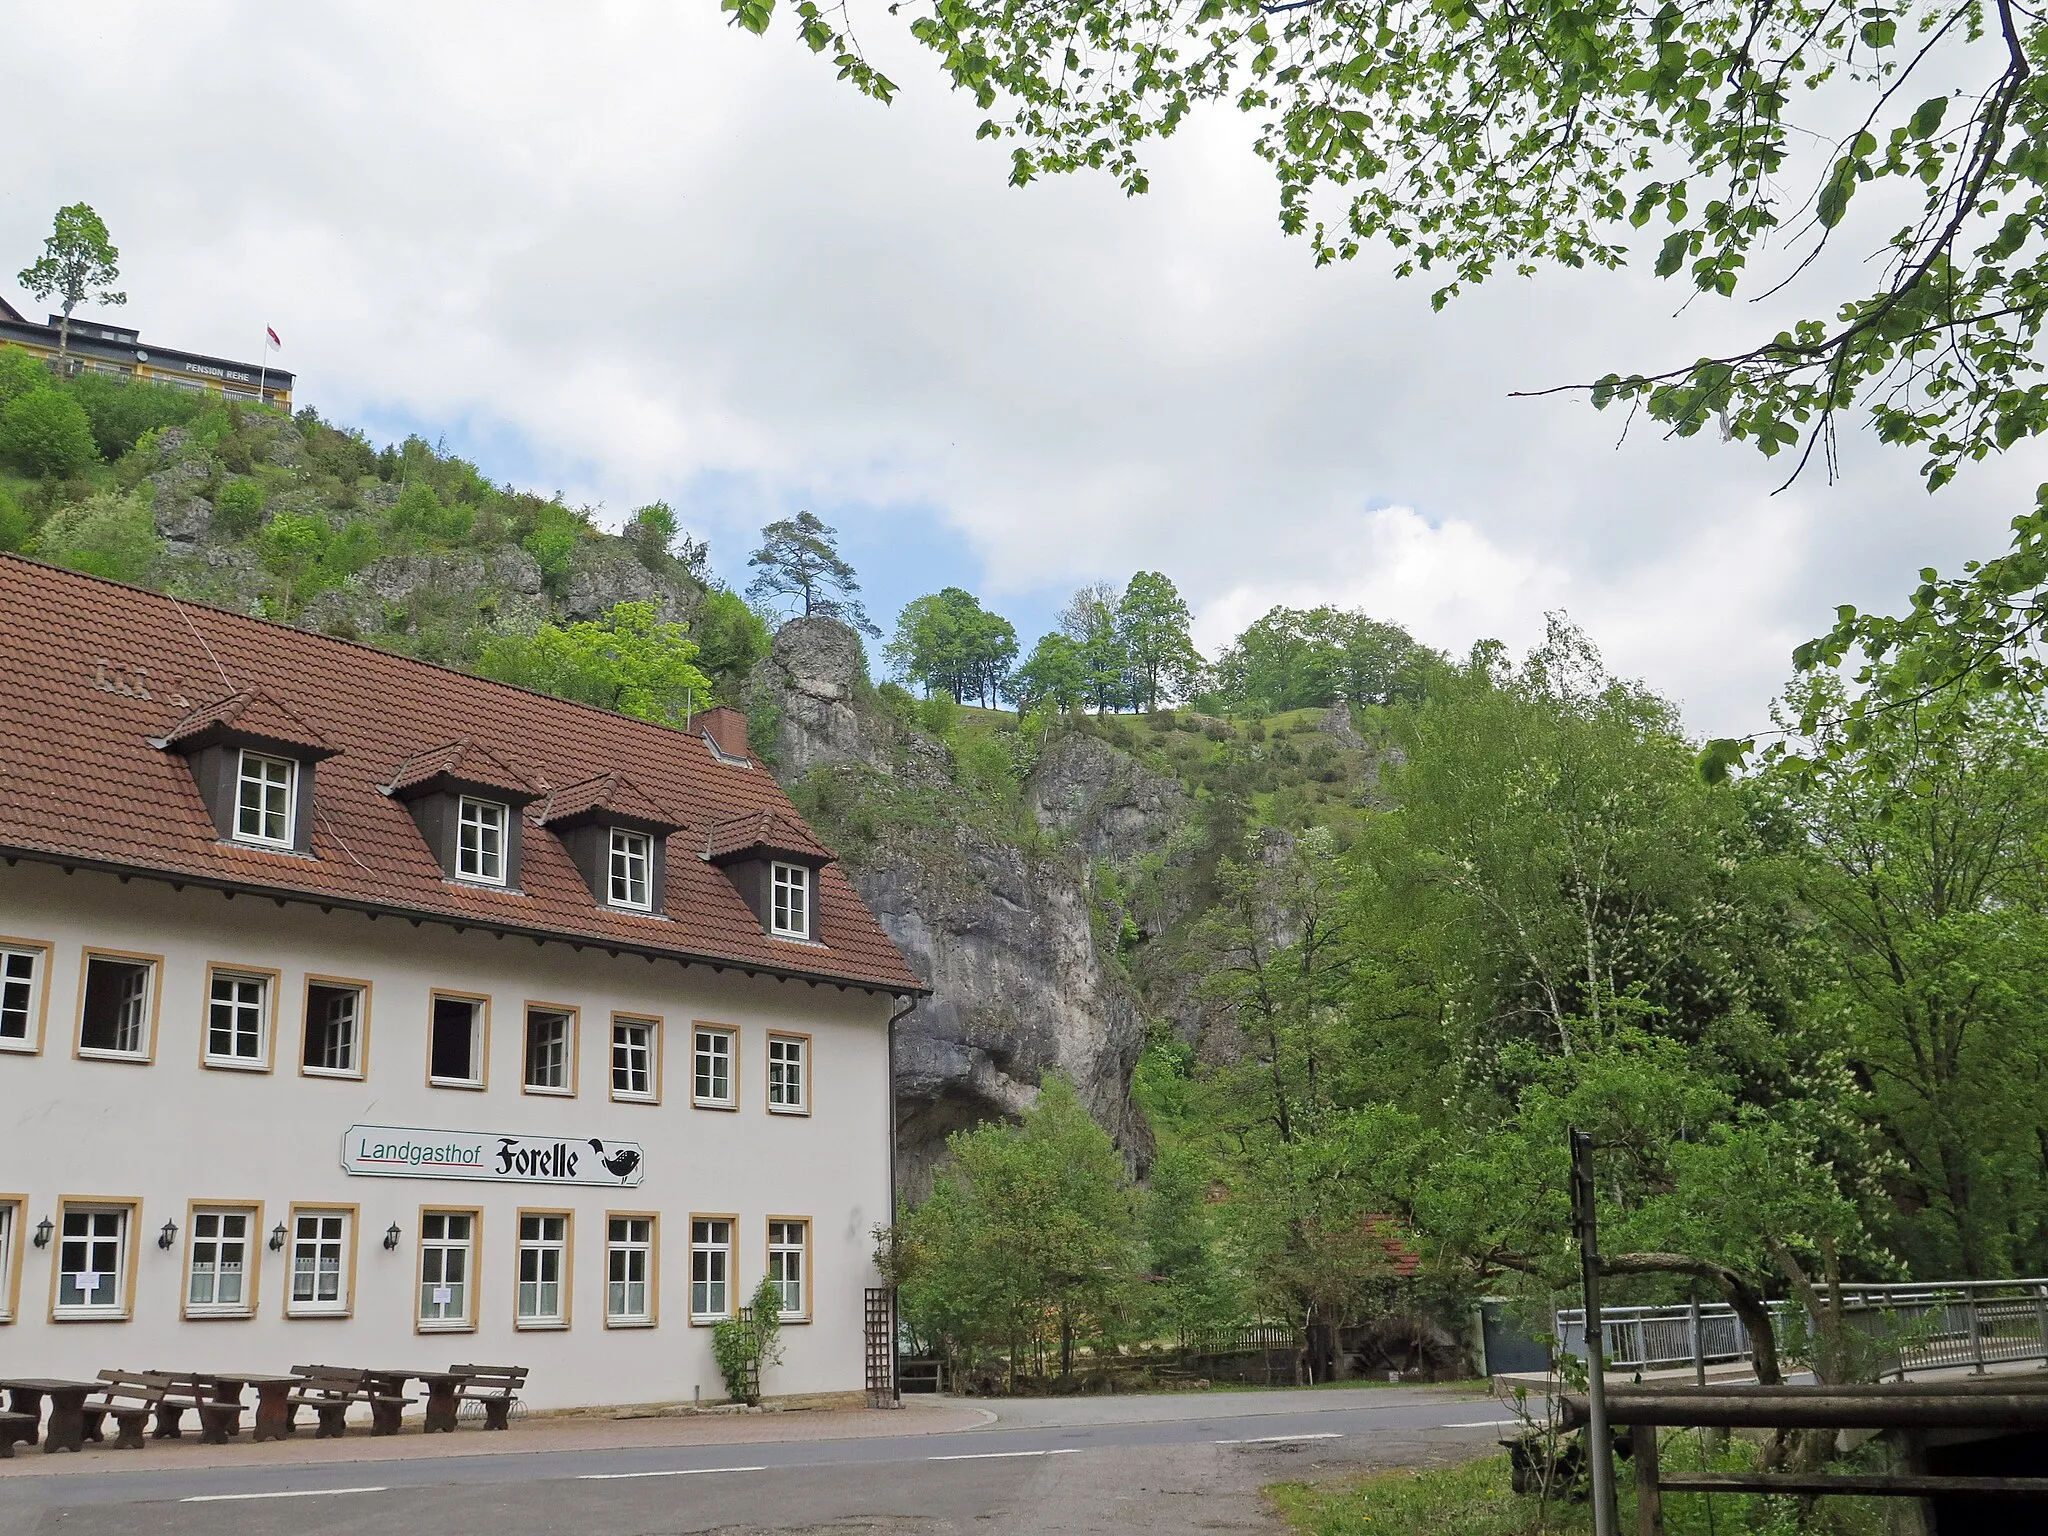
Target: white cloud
{"type": "Point", "coordinates": [623, 251]}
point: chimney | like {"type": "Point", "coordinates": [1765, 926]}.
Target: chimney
{"type": "Point", "coordinates": [726, 727]}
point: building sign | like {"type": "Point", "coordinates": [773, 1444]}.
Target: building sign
{"type": "Point", "coordinates": [407, 1152]}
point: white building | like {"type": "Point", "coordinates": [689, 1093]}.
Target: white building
{"type": "Point", "coordinates": [359, 1012]}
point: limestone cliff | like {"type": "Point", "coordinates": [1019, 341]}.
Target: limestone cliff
{"type": "Point", "coordinates": [1002, 921]}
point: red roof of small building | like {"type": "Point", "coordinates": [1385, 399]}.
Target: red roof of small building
{"type": "Point", "coordinates": [461, 762]}
{"type": "Point", "coordinates": [768, 831]}
{"type": "Point", "coordinates": [250, 712]}
{"type": "Point", "coordinates": [96, 673]}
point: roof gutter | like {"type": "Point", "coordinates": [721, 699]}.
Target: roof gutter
{"type": "Point", "coordinates": [414, 915]}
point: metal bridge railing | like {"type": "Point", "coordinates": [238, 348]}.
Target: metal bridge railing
{"type": "Point", "coordinates": [1920, 1327]}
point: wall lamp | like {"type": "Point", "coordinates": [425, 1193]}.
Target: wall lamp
{"type": "Point", "coordinates": [43, 1231]}
{"type": "Point", "coordinates": [167, 1236]}
{"type": "Point", "coordinates": [391, 1237]}
{"type": "Point", "coordinates": [277, 1237]}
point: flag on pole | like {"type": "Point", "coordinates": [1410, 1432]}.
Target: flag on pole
{"type": "Point", "coordinates": [273, 339]}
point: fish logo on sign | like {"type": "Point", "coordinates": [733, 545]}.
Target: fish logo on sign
{"type": "Point", "coordinates": [620, 1164]}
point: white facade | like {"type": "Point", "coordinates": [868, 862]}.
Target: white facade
{"type": "Point", "coordinates": [124, 1146]}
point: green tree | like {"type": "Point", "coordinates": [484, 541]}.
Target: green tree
{"type": "Point", "coordinates": [1923, 842]}
{"type": "Point", "coordinates": [122, 410]}
{"type": "Point", "coordinates": [78, 262]}
{"type": "Point", "coordinates": [730, 638]}
{"type": "Point", "coordinates": [238, 507]}
{"type": "Point", "coordinates": [46, 432]}
{"type": "Point", "coordinates": [1090, 620]}
{"type": "Point", "coordinates": [1152, 622]}
{"type": "Point", "coordinates": [949, 641]}
{"type": "Point", "coordinates": [1055, 675]}
{"type": "Point", "coordinates": [630, 661]}
{"type": "Point", "coordinates": [1294, 658]}
{"type": "Point", "coordinates": [557, 533]}
{"type": "Point", "coordinates": [1029, 1243]}
{"type": "Point", "coordinates": [800, 563]}
{"type": "Point", "coordinates": [107, 534]}
{"type": "Point", "coordinates": [656, 535]}
{"type": "Point", "coordinates": [293, 546]}
{"type": "Point", "coordinates": [21, 371]}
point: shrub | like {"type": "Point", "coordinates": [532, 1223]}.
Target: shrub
{"type": "Point", "coordinates": [121, 412]}
{"type": "Point", "coordinates": [238, 507]}
{"type": "Point", "coordinates": [45, 432]}
{"type": "Point", "coordinates": [746, 1345]}
{"type": "Point", "coordinates": [17, 523]}
{"type": "Point", "coordinates": [938, 715]}
{"type": "Point", "coordinates": [20, 372]}
{"type": "Point", "coordinates": [106, 535]}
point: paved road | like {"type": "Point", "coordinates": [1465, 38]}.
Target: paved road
{"type": "Point", "coordinates": [1124, 1465]}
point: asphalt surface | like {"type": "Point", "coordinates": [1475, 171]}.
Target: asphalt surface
{"type": "Point", "coordinates": [1131, 1464]}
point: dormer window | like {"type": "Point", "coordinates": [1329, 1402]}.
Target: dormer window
{"type": "Point", "coordinates": [252, 761]}
{"type": "Point", "coordinates": [265, 792]}
{"type": "Point", "coordinates": [480, 841]}
{"type": "Point", "coordinates": [466, 802]}
{"type": "Point", "coordinates": [790, 917]}
{"type": "Point", "coordinates": [632, 860]}
{"type": "Point", "coordinates": [773, 863]}
{"type": "Point", "coordinates": [618, 839]}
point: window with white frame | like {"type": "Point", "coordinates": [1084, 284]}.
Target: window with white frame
{"type": "Point", "coordinates": [710, 1268]}
{"type": "Point", "coordinates": [320, 1241]}
{"type": "Point", "coordinates": [788, 1071]}
{"type": "Point", "coordinates": [266, 789]}
{"type": "Point", "coordinates": [10, 1218]}
{"type": "Point", "coordinates": [629, 1270]}
{"type": "Point", "coordinates": [790, 916]}
{"type": "Point", "coordinates": [216, 1279]}
{"type": "Point", "coordinates": [633, 1064]}
{"type": "Point", "coordinates": [543, 1271]}
{"type": "Point", "coordinates": [113, 1019]}
{"type": "Point", "coordinates": [334, 1028]}
{"type": "Point", "coordinates": [446, 1239]}
{"type": "Point", "coordinates": [237, 1019]}
{"type": "Point", "coordinates": [92, 1261]}
{"type": "Point", "coordinates": [21, 988]}
{"type": "Point", "coordinates": [632, 870]}
{"type": "Point", "coordinates": [456, 1046]}
{"type": "Point", "coordinates": [480, 841]}
{"type": "Point", "coordinates": [713, 1085]}
{"type": "Point", "coordinates": [789, 1264]}
{"type": "Point", "coordinates": [549, 1050]}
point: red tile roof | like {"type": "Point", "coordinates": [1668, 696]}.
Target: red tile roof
{"type": "Point", "coordinates": [464, 762]}
{"type": "Point", "coordinates": [96, 670]}
{"type": "Point", "coordinates": [606, 793]}
{"type": "Point", "coordinates": [768, 831]}
{"type": "Point", "coordinates": [251, 712]}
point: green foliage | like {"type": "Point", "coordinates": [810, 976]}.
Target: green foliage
{"type": "Point", "coordinates": [1152, 624]}
{"type": "Point", "coordinates": [1029, 1244]}
{"type": "Point", "coordinates": [79, 261]}
{"type": "Point", "coordinates": [1055, 676]}
{"type": "Point", "coordinates": [1294, 658]}
{"type": "Point", "coordinates": [46, 432]}
{"type": "Point", "coordinates": [21, 371]}
{"type": "Point", "coordinates": [17, 523]}
{"type": "Point", "coordinates": [749, 1344]}
{"type": "Point", "coordinates": [122, 411]}
{"type": "Point", "coordinates": [655, 534]}
{"type": "Point", "coordinates": [938, 715]}
{"type": "Point", "coordinates": [800, 564]}
{"type": "Point", "coordinates": [238, 507]}
{"type": "Point", "coordinates": [106, 535]}
{"type": "Point", "coordinates": [421, 518]}
{"type": "Point", "coordinates": [949, 641]}
{"type": "Point", "coordinates": [629, 661]}
{"type": "Point", "coordinates": [730, 637]}
{"type": "Point", "coordinates": [553, 541]}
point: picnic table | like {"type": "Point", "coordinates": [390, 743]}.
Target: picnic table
{"type": "Point", "coordinates": [444, 1393]}
{"type": "Point", "coordinates": [66, 1429]}
{"type": "Point", "coordinates": [273, 1414]}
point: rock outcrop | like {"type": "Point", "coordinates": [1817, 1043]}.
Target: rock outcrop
{"type": "Point", "coordinates": [1005, 935]}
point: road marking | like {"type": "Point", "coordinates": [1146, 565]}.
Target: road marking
{"type": "Point", "coordinates": [1276, 1439]}
{"type": "Point", "coordinates": [289, 1493]}
{"type": "Point", "coordinates": [613, 1477]}
{"type": "Point", "coordinates": [1481, 1424]}
{"type": "Point", "coordinates": [1072, 1450]}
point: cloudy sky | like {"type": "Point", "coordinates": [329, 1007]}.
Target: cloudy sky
{"type": "Point", "coordinates": [624, 252]}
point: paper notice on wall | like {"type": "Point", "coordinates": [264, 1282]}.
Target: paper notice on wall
{"type": "Point", "coordinates": [88, 1283]}
{"type": "Point", "coordinates": [443, 1295]}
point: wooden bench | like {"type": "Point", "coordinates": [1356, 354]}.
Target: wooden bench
{"type": "Point", "coordinates": [217, 1420]}
{"type": "Point", "coordinates": [15, 1428]}
{"type": "Point", "coordinates": [128, 1398]}
{"type": "Point", "coordinates": [495, 1386]}
{"type": "Point", "coordinates": [331, 1390]}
